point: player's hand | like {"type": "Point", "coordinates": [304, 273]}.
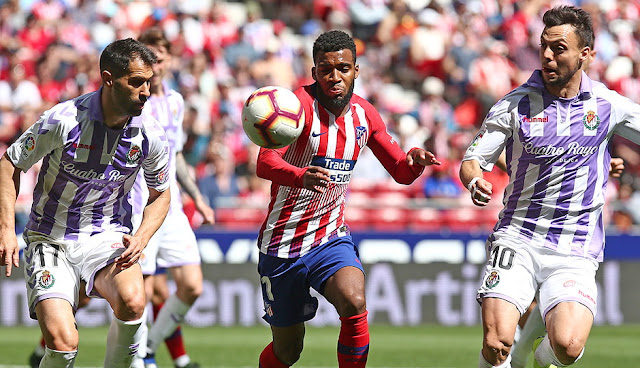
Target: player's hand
{"type": "Point", "coordinates": [131, 255]}
{"type": "Point", "coordinates": [481, 192]}
{"type": "Point", "coordinates": [422, 157]}
{"type": "Point", "coordinates": [316, 179]}
{"type": "Point", "coordinates": [617, 167]}
{"type": "Point", "coordinates": [9, 251]}
{"type": "Point", "coordinates": [206, 212]}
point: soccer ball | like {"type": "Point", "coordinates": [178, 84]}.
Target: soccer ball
{"type": "Point", "coordinates": [272, 117]}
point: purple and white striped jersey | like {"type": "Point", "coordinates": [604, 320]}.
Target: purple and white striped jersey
{"type": "Point", "coordinates": [557, 160]}
{"type": "Point", "coordinates": [88, 168]}
{"type": "Point", "coordinates": [169, 111]}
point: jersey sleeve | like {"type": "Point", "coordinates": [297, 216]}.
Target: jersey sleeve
{"type": "Point", "coordinates": [156, 164]}
{"type": "Point", "coordinates": [491, 139]}
{"type": "Point", "coordinates": [627, 119]}
{"type": "Point", "coordinates": [181, 137]}
{"type": "Point", "coordinates": [388, 151]}
{"type": "Point", "coordinates": [271, 166]}
{"type": "Point", "coordinates": [47, 134]}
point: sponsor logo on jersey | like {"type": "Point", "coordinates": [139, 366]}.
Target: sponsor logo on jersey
{"type": "Point", "coordinates": [46, 280]}
{"type": "Point", "coordinates": [113, 175]}
{"type": "Point", "coordinates": [333, 163]}
{"type": "Point", "coordinates": [134, 155]}
{"type": "Point", "coordinates": [574, 148]}
{"type": "Point", "coordinates": [591, 120]}
{"type": "Point", "coordinates": [569, 283]}
{"type": "Point", "coordinates": [492, 280]}
{"type": "Point", "coordinates": [535, 120]}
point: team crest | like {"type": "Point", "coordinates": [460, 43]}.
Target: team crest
{"type": "Point", "coordinates": [591, 121]}
{"type": "Point", "coordinates": [361, 136]}
{"type": "Point", "coordinates": [162, 177]}
{"type": "Point", "coordinates": [134, 154]}
{"type": "Point", "coordinates": [492, 280]}
{"type": "Point", "coordinates": [46, 280]}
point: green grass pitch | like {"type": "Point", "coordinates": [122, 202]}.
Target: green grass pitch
{"type": "Point", "coordinates": [400, 347]}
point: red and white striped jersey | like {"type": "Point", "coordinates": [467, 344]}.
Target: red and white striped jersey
{"type": "Point", "coordinates": [299, 219]}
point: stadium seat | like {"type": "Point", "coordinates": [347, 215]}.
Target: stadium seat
{"type": "Point", "coordinates": [426, 220]}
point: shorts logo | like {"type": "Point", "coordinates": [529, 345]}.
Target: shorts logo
{"type": "Point", "coordinates": [591, 121]}
{"type": "Point", "coordinates": [134, 154]}
{"type": "Point", "coordinates": [492, 280]}
{"type": "Point", "coordinates": [268, 309]}
{"type": "Point", "coordinates": [46, 280]}
{"type": "Point", "coordinates": [569, 283]}
{"type": "Point", "coordinates": [117, 246]}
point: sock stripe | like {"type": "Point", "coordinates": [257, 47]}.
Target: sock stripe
{"type": "Point", "coordinates": [353, 350]}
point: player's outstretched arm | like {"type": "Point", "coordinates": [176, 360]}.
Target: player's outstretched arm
{"type": "Point", "coordinates": [422, 157]}
{"type": "Point", "coordinates": [153, 216]}
{"type": "Point", "coordinates": [9, 184]}
{"type": "Point", "coordinates": [188, 184]}
{"type": "Point", "coordinates": [472, 178]}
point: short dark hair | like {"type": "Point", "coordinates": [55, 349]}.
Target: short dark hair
{"type": "Point", "coordinates": [155, 37]}
{"type": "Point", "coordinates": [578, 18]}
{"type": "Point", "coordinates": [117, 55]}
{"type": "Point", "coordinates": [334, 40]}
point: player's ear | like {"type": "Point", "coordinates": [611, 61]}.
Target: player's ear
{"type": "Point", "coordinates": [585, 54]}
{"type": "Point", "coordinates": [107, 78]}
{"type": "Point", "coordinates": [357, 71]}
{"type": "Point", "coordinates": [313, 73]}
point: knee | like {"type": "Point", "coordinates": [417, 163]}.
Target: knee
{"type": "Point", "coordinates": [568, 349]}
{"type": "Point", "coordinates": [63, 339]}
{"type": "Point", "coordinates": [130, 307]}
{"type": "Point", "coordinates": [190, 292]}
{"type": "Point", "coordinates": [289, 354]}
{"type": "Point", "coordinates": [352, 305]}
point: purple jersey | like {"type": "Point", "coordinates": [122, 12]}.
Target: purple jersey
{"type": "Point", "coordinates": [169, 111]}
{"type": "Point", "coordinates": [557, 161]}
{"type": "Point", "coordinates": [88, 168]}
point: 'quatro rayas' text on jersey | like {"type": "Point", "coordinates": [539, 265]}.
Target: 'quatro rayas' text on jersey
{"type": "Point", "coordinates": [558, 161]}
{"type": "Point", "coordinates": [300, 219]}
{"type": "Point", "coordinates": [169, 111]}
{"type": "Point", "coordinates": [88, 168]}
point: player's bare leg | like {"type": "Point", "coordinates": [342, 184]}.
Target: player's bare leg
{"type": "Point", "coordinates": [568, 326]}
{"type": "Point", "coordinates": [124, 290]}
{"type": "Point", "coordinates": [60, 332]}
{"type": "Point", "coordinates": [188, 280]}
{"type": "Point", "coordinates": [499, 321]}
{"type": "Point", "coordinates": [38, 353]}
{"type": "Point", "coordinates": [346, 291]}
{"type": "Point", "coordinates": [285, 348]}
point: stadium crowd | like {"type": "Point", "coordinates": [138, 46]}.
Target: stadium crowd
{"type": "Point", "coordinates": [433, 69]}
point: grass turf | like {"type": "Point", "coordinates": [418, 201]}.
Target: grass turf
{"type": "Point", "coordinates": [422, 346]}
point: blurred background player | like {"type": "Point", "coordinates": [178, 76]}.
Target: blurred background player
{"type": "Point", "coordinates": [304, 241]}
{"type": "Point", "coordinates": [556, 128]}
{"type": "Point", "coordinates": [174, 245]}
{"type": "Point", "coordinates": [92, 149]}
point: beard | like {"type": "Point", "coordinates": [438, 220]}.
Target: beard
{"type": "Point", "coordinates": [563, 80]}
{"type": "Point", "coordinates": [336, 102]}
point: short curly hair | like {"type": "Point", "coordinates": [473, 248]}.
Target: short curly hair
{"type": "Point", "coordinates": [334, 40]}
